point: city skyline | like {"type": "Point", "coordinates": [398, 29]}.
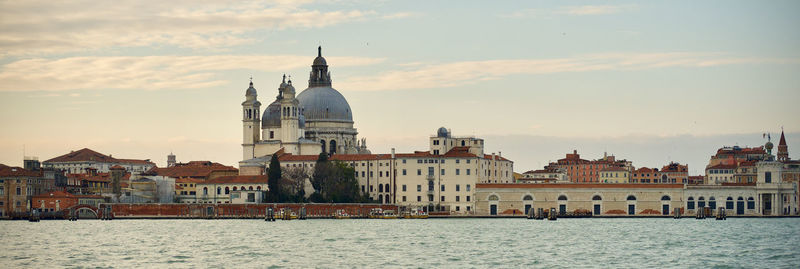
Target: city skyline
{"type": "Point", "coordinates": [648, 91]}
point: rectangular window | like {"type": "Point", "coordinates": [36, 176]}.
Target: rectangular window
{"type": "Point", "coordinates": [442, 198]}
{"type": "Point", "coordinates": [430, 170]}
{"type": "Point", "coordinates": [404, 172]}
{"type": "Point", "coordinates": [404, 188]}
{"type": "Point", "coordinates": [404, 160]}
{"type": "Point", "coordinates": [457, 198]}
{"type": "Point", "coordinates": [458, 171]}
{"type": "Point", "coordinates": [419, 188]}
{"type": "Point", "coordinates": [467, 198]}
{"type": "Point", "coordinates": [362, 173]}
{"type": "Point", "coordinates": [767, 177]}
{"type": "Point", "coordinates": [468, 160]}
{"type": "Point", "coordinates": [467, 187]}
{"type": "Point", "coordinates": [430, 197]}
{"type": "Point", "coordinates": [370, 188]}
{"type": "Point", "coordinates": [458, 208]}
{"type": "Point", "coordinates": [380, 174]}
{"type": "Point", "coordinates": [419, 198]}
{"type": "Point", "coordinates": [468, 172]}
{"type": "Point", "coordinates": [457, 160]}
{"type": "Point", "coordinates": [370, 174]}
{"type": "Point", "coordinates": [363, 188]}
{"type": "Point", "coordinates": [458, 187]}
{"type": "Point", "coordinates": [419, 172]}
{"type": "Point", "coordinates": [419, 161]}
{"type": "Point", "coordinates": [404, 198]}
{"type": "Point", "coordinates": [468, 208]}
{"type": "Point", "coordinates": [442, 172]}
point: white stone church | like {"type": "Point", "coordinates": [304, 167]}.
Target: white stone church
{"type": "Point", "coordinates": [317, 120]}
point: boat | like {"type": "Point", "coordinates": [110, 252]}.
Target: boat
{"type": "Point", "coordinates": [416, 214]}
{"type": "Point", "coordinates": [285, 214]}
{"type": "Point", "coordinates": [379, 213]}
{"type": "Point", "coordinates": [341, 214]}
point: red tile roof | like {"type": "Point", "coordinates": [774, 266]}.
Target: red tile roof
{"type": "Point", "coordinates": [188, 180]}
{"type": "Point", "coordinates": [722, 166]}
{"type": "Point", "coordinates": [194, 169]}
{"type": "Point", "coordinates": [8, 171]}
{"type": "Point", "coordinates": [238, 179]}
{"type": "Point", "coordinates": [85, 154]}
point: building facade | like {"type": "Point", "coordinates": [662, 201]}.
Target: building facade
{"type": "Point", "coordinates": [78, 162]}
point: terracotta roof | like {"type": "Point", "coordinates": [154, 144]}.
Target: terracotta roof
{"type": "Point", "coordinates": [116, 167]}
{"type": "Point", "coordinates": [85, 155]}
{"type": "Point", "coordinates": [188, 180]}
{"type": "Point", "coordinates": [8, 171]}
{"type": "Point", "coordinates": [614, 168]}
{"type": "Point", "coordinates": [191, 169]}
{"type": "Point", "coordinates": [722, 166]}
{"type": "Point", "coordinates": [645, 170]}
{"type": "Point", "coordinates": [99, 177]}
{"type": "Point", "coordinates": [63, 194]}
{"type": "Point", "coordinates": [675, 167]}
{"type": "Point", "coordinates": [542, 171]}
{"type": "Point", "coordinates": [577, 185]}
{"type": "Point", "coordinates": [238, 179]}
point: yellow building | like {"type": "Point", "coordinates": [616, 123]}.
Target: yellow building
{"type": "Point", "coordinates": [614, 174]}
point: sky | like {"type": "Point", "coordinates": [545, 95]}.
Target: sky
{"type": "Point", "coordinates": [647, 81]}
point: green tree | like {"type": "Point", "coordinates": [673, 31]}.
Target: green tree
{"type": "Point", "coordinates": [274, 180]}
{"type": "Point", "coordinates": [322, 171]}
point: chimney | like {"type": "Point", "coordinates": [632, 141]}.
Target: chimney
{"type": "Point", "coordinates": [500, 153]}
{"type": "Point", "coordinates": [392, 153]}
{"type": "Point", "coordinates": [574, 151]}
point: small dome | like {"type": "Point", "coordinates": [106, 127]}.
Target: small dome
{"type": "Point", "coordinates": [442, 132]}
{"type": "Point", "coordinates": [272, 116]}
{"type": "Point", "coordinates": [320, 60]}
{"type": "Point", "coordinates": [251, 91]}
{"type": "Point", "coordinates": [769, 145]}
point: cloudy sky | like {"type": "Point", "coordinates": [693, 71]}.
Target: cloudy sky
{"type": "Point", "coordinates": [652, 82]}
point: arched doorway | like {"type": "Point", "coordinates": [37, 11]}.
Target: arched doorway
{"type": "Point", "coordinates": [631, 204]}
{"type": "Point", "coordinates": [665, 204]}
{"type": "Point", "coordinates": [333, 146]}
{"type": "Point", "coordinates": [597, 201]}
{"type": "Point", "coordinates": [562, 204]}
{"type": "Point", "coordinates": [527, 200]}
{"type": "Point", "coordinates": [739, 206]}
{"type": "Point", "coordinates": [493, 200]}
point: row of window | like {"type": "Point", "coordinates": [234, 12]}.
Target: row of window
{"type": "Point", "coordinates": [442, 199]}
{"type": "Point", "coordinates": [712, 203]}
{"type": "Point", "coordinates": [228, 190]}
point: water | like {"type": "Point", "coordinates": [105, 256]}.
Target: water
{"type": "Point", "coordinates": [440, 243]}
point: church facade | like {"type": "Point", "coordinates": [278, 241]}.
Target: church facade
{"type": "Point", "coordinates": [316, 120]}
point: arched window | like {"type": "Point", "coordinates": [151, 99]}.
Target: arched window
{"type": "Point", "coordinates": [690, 203]}
{"type": "Point", "coordinates": [380, 187]}
{"type": "Point", "coordinates": [597, 198]}
{"type": "Point", "coordinates": [333, 146]}
{"type": "Point", "coordinates": [243, 188]}
{"type": "Point", "coordinates": [234, 188]}
{"type": "Point", "coordinates": [462, 143]}
{"type": "Point", "coordinates": [562, 197]}
{"type": "Point", "coordinates": [387, 198]}
{"type": "Point", "coordinates": [729, 203]}
{"type": "Point", "coordinates": [527, 198]}
{"type": "Point", "coordinates": [493, 197]}
{"type": "Point", "coordinates": [665, 198]}
{"type": "Point", "coordinates": [323, 145]}
{"type": "Point", "coordinates": [205, 190]}
{"type": "Point", "coordinates": [386, 187]}
{"type": "Point", "coordinates": [631, 198]}
{"type": "Point", "coordinates": [380, 197]}
{"type": "Point", "coordinates": [227, 190]}
{"type": "Point", "coordinates": [751, 204]}
{"type": "Point", "coordinates": [250, 188]}
{"type": "Point", "coordinates": [701, 202]}
{"type": "Point", "coordinates": [219, 190]}
{"type": "Point", "coordinates": [258, 188]}
{"type": "Point", "coordinates": [712, 203]}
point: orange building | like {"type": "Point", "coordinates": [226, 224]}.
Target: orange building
{"type": "Point", "coordinates": [580, 170]}
{"type": "Point", "coordinates": [59, 200]}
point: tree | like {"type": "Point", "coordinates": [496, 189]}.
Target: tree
{"type": "Point", "coordinates": [322, 171]}
{"type": "Point", "coordinates": [274, 180]}
{"type": "Point", "coordinates": [294, 183]}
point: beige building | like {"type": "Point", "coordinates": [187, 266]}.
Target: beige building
{"type": "Point", "coordinates": [219, 190]}
{"type": "Point", "coordinates": [598, 198]}
{"type": "Point", "coordinates": [614, 174]}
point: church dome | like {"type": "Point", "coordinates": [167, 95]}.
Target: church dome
{"type": "Point", "coordinates": [324, 104]}
{"type": "Point", "coordinates": [320, 60]}
{"type": "Point", "coordinates": [442, 132]}
{"type": "Point", "coordinates": [272, 116]}
{"type": "Point", "coordinates": [769, 145]}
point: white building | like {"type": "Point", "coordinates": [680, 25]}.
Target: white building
{"type": "Point", "coordinates": [77, 162]}
{"type": "Point", "coordinates": [222, 189]}
{"type": "Point", "coordinates": [440, 179]}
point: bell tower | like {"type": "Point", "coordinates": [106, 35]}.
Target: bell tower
{"type": "Point", "coordinates": [290, 114]}
{"type": "Point", "coordinates": [783, 149]}
{"type": "Point", "coordinates": [251, 109]}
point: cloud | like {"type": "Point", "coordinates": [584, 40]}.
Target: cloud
{"type": "Point", "coordinates": [441, 75]}
{"type": "Point", "coordinates": [148, 72]}
{"type": "Point", "coordinates": [46, 27]}
{"type": "Point", "coordinates": [594, 10]}
{"type": "Point", "coordinates": [569, 10]}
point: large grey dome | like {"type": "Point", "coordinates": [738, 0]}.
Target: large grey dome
{"type": "Point", "coordinates": [272, 116]}
{"type": "Point", "coordinates": [324, 104]}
